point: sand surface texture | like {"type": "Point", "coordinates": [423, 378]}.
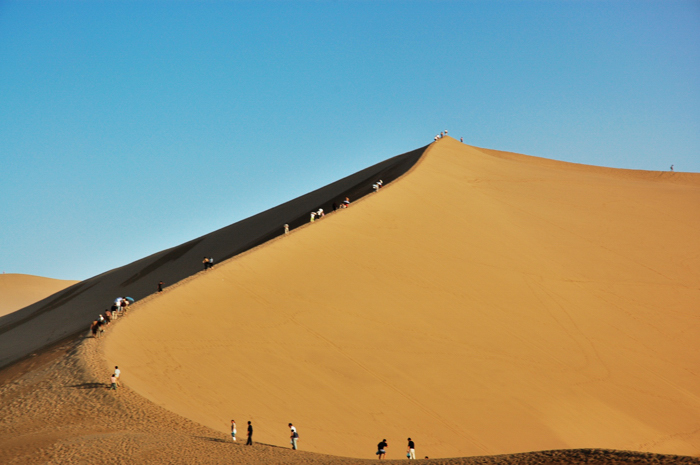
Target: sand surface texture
{"type": "Point", "coordinates": [19, 290]}
{"type": "Point", "coordinates": [54, 408]}
{"type": "Point", "coordinates": [485, 303]}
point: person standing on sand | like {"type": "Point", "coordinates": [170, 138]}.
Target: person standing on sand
{"type": "Point", "coordinates": [461, 139]}
{"type": "Point", "coordinates": [381, 449]}
{"type": "Point", "coordinates": [411, 450]}
{"type": "Point", "coordinates": [250, 435]}
{"type": "Point", "coordinates": [294, 436]}
{"type": "Point", "coordinates": [286, 229]}
{"type": "Point", "coordinates": [160, 286]}
{"type": "Point", "coordinates": [313, 216]}
{"type": "Point", "coordinates": [233, 429]}
{"type": "Point", "coordinates": [346, 202]}
{"type": "Point", "coordinates": [671, 167]}
{"type": "Point", "coordinates": [117, 374]}
{"type": "Point", "coordinates": [113, 380]}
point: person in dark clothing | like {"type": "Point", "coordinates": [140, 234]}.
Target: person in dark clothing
{"type": "Point", "coordinates": [206, 263]}
{"type": "Point", "coordinates": [381, 449]}
{"type": "Point", "coordinates": [160, 286]}
{"type": "Point", "coordinates": [335, 206]}
{"type": "Point", "coordinates": [250, 435]}
{"type": "Point", "coordinates": [411, 450]}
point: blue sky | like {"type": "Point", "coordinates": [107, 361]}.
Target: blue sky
{"type": "Point", "coordinates": [130, 127]}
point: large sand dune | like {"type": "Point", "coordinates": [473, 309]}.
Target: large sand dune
{"type": "Point", "coordinates": [19, 290]}
{"type": "Point", "coordinates": [485, 303]}
{"type": "Point", "coordinates": [69, 312]}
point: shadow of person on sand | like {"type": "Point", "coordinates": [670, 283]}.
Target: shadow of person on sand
{"type": "Point", "coordinates": [213, 439]}
{"type": "Point", "coordinates": [89, 386]}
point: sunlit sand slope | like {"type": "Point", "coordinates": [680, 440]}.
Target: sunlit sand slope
{"type": "Point", "coordinates": [486, 303]}
{"type": "Point", "coordinates": [69, 312]}
{"type": "Point", "coordinates": [19, 290]}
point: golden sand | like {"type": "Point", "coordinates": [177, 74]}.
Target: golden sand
{"type": "Point", "coordinates": [19, 290]}
{"type": "Point", "coordinates": [485, 303]}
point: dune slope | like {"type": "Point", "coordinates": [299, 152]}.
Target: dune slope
{"type": "Point", "coordinates": [485, 303]}
{"type": "Point", "coordinates": [71, 311]}
{"type": "Point", "coordinates": [19, 290]}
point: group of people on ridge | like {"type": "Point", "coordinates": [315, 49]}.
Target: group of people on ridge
{"type": "Point", "coordinates": [103, 320]}
{"type": "Point", "coordinates": [320, 213]}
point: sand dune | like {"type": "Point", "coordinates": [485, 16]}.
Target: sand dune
{"type": "Point", "coordinates": [19, 290]}
{"type": "Point", "coordinates": [68, 313]}
{"type": "Point", "coordinates": [485, 303]}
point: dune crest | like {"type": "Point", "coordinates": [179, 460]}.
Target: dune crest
{"type": "Point", "coordinates": [19, 290]}
{"type": "Point", "coordinates": [482, 304]}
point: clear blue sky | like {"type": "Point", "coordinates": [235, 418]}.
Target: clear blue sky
{"type": "Point", "coordinates": [130, 127]}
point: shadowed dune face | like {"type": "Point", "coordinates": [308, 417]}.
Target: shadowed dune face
{"type": "Point", "coordinates": [19, 290]}
{"type": "Point", "coordinates": [486, 303]}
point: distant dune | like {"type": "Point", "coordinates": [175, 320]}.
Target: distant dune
{"type": "Point", "coordinates": [19, 290]}
{"type": "Point", "coordinates": [485, 303]}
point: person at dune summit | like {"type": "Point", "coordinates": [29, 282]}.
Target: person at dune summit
{"type": "Point", "coordinates": [671, 167]}
{"type": "Point", "coordinates": [206, 263]}
{"type": "Point", "coordinates": [411, 450]}
{"type": "Point", "coordinates": [286, 229]}
{"type": "Point", "coordinates": [346, 202]}
{"type": "Point", "coordinates": [160, 286]}
{"type": "Point", "coordinates": [381, 449]}
{"type": "Point", "coordinates": [313, 216]}
{"type": "Point", "coordinates": [294, 436]}
{"type": "Point", "coordinates": [250, 434]}
{"type": "Point", "coordinates": [233, 429]}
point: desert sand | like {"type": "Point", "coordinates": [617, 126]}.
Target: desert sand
{"type": "Point", "coordinates": [485, 303]}
{"type": "Point", "coordinates": [19, 290]}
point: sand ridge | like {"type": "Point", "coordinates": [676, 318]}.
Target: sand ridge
{"type": "Point", "coordinates": [481, 305]}
{"type": "Point", "coordinates": [19, 290]}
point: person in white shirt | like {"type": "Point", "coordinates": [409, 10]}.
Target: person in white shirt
{"type": "Point", "coordinates": [294, 436]}
{"type": "Point", "coordinates": [117, 374]}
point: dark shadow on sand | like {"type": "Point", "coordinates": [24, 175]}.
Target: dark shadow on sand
{"type": "Point", "coordinates": [90, 386]}
{"type": "Point", "coordinates": [216, 440]}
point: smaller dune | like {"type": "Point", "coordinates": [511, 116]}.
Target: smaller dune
{"type": "Point", "coordinates": [19, 290]}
